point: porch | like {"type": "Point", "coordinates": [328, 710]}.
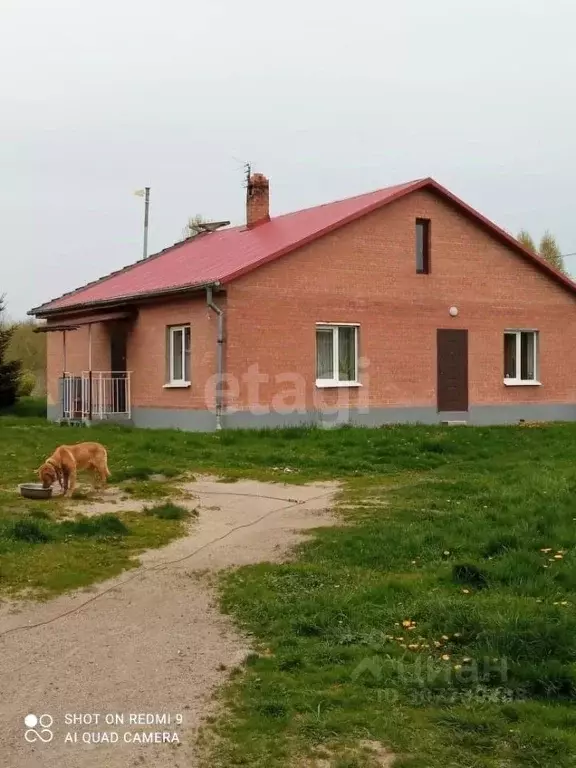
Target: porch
{"type": "Point", "coordinates": [95, 395]}
{"type": "Point", "coordinates": [94, 383]}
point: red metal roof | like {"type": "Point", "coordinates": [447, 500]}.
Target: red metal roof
{"type": "Point", "coordinates": [221, 256]}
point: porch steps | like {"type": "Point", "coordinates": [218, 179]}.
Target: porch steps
{"type": "Point", "coordinates": [73, 423]}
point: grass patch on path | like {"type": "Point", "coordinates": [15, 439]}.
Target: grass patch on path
{"type": "Point", "coordinates": [43, 556]}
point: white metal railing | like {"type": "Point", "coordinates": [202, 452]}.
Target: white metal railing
{"type": "Point", "coordinates": [96, 395]}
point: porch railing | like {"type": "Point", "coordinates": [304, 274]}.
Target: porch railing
{"type": "Point", "coordinates": [96, 395]}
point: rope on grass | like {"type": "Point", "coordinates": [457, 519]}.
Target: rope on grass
{"type": "Point", "coordinates": [162, 566]}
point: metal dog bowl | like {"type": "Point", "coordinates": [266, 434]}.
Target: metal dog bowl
{"type": "Point", "coordinates": [34, 491]}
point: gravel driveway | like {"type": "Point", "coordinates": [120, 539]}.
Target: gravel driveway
{"type": "Point", "coordinates": [149, 644]}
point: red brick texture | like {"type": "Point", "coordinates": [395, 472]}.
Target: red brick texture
{"type": "Point", "coordinates": [146, 354]}
{"type": "Point", "coordinates": [257, 200]}
{"type": "Point", "coordinates": [73, 356]}
{"type": "Point", "coordinates": [364, 273]}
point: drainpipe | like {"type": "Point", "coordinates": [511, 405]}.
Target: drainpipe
{"type": "Point", "coordinates": [220, 354]}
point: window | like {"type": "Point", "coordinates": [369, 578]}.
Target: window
{"type": "Point", "coordinates": [521, 357]}
{"type": "Point", "coordinates": [179, 355]}
{"type": "Point", "coordinates": [422, 246]}
{"type": "Point", "coordinates": [336, 355]}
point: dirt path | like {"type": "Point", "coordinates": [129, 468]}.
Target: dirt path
{"type": "Point", "coordinates": [150, 642]}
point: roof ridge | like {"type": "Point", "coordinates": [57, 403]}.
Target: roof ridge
{"type": "Point", "coordinates": [352, 197]}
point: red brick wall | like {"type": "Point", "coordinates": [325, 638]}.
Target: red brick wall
{"type": "Point", "coordinates": [365, 273]}
{"type": "Point", "coordinates": [147, 354]}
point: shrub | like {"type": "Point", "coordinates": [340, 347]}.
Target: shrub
{"type": "Point", "coordinates": [26, 384]}
{"type": "Point", "coordinates": [9, 371]}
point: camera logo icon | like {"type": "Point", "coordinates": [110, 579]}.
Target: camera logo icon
{"type": "Point", "coordinates": [38, 728]}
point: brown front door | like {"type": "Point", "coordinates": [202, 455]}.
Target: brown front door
{"type": "Point", "coordinates": [452, 346]}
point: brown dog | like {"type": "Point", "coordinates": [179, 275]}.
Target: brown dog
{"type": "Point", "coordinates": [68, 459]}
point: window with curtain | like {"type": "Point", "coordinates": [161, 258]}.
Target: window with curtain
{"type": "Point", "coordinates": [179, 354]}
{"type": "Point", "coordinates": [521, 357]}
{"type": "Point", "coordinates": [336, 354]}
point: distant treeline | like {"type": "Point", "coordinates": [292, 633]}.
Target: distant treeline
{"type": "Point", "coordinates": [30, 349]}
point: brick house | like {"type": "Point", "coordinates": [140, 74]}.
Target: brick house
{"type": "Point", "coordinates": [401, 305]}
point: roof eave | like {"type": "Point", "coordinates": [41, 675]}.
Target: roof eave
{"type": "Point", "coordinates": [119, 301]}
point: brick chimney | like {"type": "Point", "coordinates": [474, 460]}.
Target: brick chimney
{"type": "Point", "coordinates": [257, 200]}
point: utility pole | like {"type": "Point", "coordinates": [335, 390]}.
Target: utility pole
{"type": "Point", "coordinates": [145, 193]}
{"type": "Point", "coordinates": [146, 209]}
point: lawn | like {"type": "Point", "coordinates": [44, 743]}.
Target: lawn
{"type": "Point", "coordinates": [439, 621]}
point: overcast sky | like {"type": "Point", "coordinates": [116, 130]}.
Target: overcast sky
{"type": "Point", "coordinates": [327, 98]}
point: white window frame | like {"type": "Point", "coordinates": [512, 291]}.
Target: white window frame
{"type": "Point", "coordinates": [518, 381]}
{"type": "Point", "coordinates": [172, 331]}
{"type": "Point", "coordinates": [336, 382]}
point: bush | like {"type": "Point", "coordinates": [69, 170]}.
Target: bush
{"type": "Point", "coordinates": [9, 372]}
{"type": "Point", "coordinates": [26, 384]}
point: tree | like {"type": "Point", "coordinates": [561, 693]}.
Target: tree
{"type": "Point", "coordinates": [548, 248]}
{"type": "Point", "coordinates": [526, 239]}
{"type": "Point", "coordinates": [194, 226]}
{"type": "Point", "coordinates": [28, 346]}
{"type": "Point", "coordinates": [9, 370]}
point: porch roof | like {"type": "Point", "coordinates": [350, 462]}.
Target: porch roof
{"type": "Point", "coordinates": [74, 323]}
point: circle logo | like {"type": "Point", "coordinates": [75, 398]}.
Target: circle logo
{"type": "Point", "coordinates": [43, 733]}
{"type": "Point", "coordinates": [31, 721]}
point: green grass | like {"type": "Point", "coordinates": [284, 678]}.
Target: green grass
{"type": "Point", "coordinates": [27, 407]}
{"type": "Point", "coordinates": [169, 511]}
{"type": "Point", "coordinates": [454, 548]}
{"type": "Point", "coordinates": [445, 529]}
{"type": "Point", "coordinates": [42, 556]}
{"type": "Point", "coordinates": [149, 489]}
